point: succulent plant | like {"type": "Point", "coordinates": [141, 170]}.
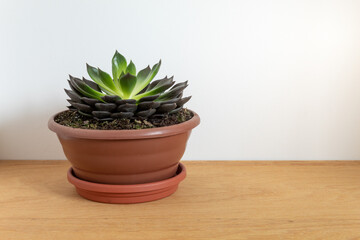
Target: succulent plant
{"type": "Point", "coordinates": [126, 94]}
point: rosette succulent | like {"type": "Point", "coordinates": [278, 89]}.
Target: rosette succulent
{"type": "Point", "coordinates": [127, 94]}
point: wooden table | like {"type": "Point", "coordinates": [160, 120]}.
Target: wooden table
{"type": "Point", "coordinates": [217, 200]}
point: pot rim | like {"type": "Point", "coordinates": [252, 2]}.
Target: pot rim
{"type": "Point", "coordinates": [123, 134]}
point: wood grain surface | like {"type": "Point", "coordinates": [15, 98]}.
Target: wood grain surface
{"type": "Point", "coordinates": [217, 200]}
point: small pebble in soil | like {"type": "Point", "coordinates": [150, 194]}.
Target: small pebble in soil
{"type": "Point", "coordinates": [76, 120]}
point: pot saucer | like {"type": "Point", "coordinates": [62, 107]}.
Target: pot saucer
{"type": "Point", "coordinates": [134, 193]}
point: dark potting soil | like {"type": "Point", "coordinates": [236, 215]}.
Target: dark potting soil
{"type": "Point", "coordinates": [74, 119]}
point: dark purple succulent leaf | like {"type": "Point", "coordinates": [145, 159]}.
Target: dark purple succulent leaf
{"type": "Point", "coordinates": [105, 106]}
{"type": "Point", "coordinates": [127, 107]}
{"type": "Point", "coordinates": [147, 105]}
{"type": "Point", "coordinates": [70, 101]}
{"type": "Point", "coordinates": [149, 98]}
{"type": "Point", "coordinates": [180, 84]}
{"type": "Point", "coordinates": [71, 108]}
{"type": "Point", "coordinates": [157, 87]}
{"type": "Point", "coordinates": [146, 113]}
{"type": "Point", "coordinates": [123, 101]}
{"type": "Point", "coordinates": [182, 101]}
{"type": "Point", "coordinates": [90, 101]}
{"type": "Point", "coordinates": [92, 84]}
{"type": "Point", "coordinates": [175, 110]}
{"type": "Point", "coordinates": [74, 96]}
{"type": "Point", "coordinates": [172, 93]}
{"type": "Point", "coordinates": [110, 98]}
{"type": "Point", "coordinates": [164, 108]}
{"type": "Point", "coordinates": [82, 107]}
{"type": "Point", "coordinates": [174, 100]}
{"type": "Point", "coordinates": [74, 89]}
{"type": "Point", "coordinates": [101, 114]}
{"type": "Point", "coordinates": [159, 83]}
{"type": "Point", "coordinates": [150, 86]}
{"type": "Point", "coordinates": [122, 115]}
{"type": "Point", "coordinates": [180, 95]}
{"type": "Point", "coordinates": [85, 114]}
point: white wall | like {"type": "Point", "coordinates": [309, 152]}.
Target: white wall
{"type": "Point", "coordinates": [270, 79]}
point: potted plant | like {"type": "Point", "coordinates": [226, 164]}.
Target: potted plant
{"type": "Point", "coordinates": [125, 135]}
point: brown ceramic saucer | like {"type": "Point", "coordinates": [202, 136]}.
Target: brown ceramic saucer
{"type": "Point", "coordinates": [134, 193]}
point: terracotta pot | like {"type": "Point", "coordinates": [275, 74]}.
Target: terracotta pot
{"type": "Point", "coordinates": [124, 156]}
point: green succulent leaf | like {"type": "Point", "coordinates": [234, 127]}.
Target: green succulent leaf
{"type": "Point", "coordinates": [142, 74]}
{"type": "Point", "coordinates": [106, 91]}
{"type": "Point", "coordinates": [158, 86]}
{"type": "Point", "coordinates": [85, 89]}
{"type": "Point", "coordinates": [131, 69]}
{"type": "Point", "coordinates": [144, 77]}
{"type": "Point", "coordinates": [106, 79]}
{"type": "Point", "coordinates": [127, 83]}
{"type": "Point", "coordinates": [94, 74]}
{"type": "Point", "coordinates": [118, 65]}
{"type": "Point", "coordinates": [103, 79]}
